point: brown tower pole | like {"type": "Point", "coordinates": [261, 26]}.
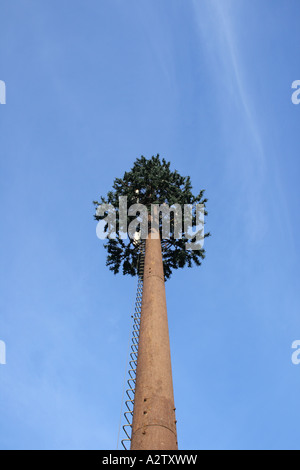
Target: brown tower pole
{"type": "Point", "coordinates": [154, 422]}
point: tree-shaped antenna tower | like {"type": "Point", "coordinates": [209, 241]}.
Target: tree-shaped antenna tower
{"type": "Point", "coordinates": [151, 182]}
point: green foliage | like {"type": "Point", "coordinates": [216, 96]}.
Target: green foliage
{"type": "Point", "coordinates": [156, 184]}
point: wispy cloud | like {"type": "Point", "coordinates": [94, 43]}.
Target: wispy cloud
{"type": "Point", "coordinates": [249, 166]}
{"type": "Point", "coordinates": [236, 65]}
{"type": "Point", "coordinates": [216, 20]}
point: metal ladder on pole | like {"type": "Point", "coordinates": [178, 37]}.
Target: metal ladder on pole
{"type": "Point", "coordinates": [131, 382]}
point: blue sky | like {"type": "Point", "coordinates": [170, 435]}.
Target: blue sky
{"type": "Point", "coordinates": [91, 87]}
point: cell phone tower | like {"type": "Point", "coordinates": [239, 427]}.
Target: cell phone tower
{"type": "Point", "coordinates": [150, 421]}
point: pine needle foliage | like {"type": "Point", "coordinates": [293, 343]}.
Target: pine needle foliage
{"type": "Point", "coordinates": [151, 181]}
